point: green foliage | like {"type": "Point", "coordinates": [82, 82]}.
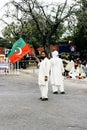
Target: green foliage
{"type": "Point", "coordinates": [38, 24]}
{"type": "Point", "coordinates": [3, 42]}
{"type": "Point", "coordinates": [29, 32]}
{"type": "Point", "coordinates": [80, 31]}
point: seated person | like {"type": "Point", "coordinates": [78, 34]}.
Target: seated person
{"type": "Point", "coordinates": [69, 65]}
{"type": "Point", "coordinates": [77, 72]}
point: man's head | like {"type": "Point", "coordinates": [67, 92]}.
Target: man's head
{"type": "Point", "coordinates": [43, 54]}
{"type": "Point", "coordinates": [55, 54]}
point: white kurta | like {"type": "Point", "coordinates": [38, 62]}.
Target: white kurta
{"type": "Point", "coordinates": [77, 72]}
{"type": "Point", "coordinates": [44, 67]}
{"type": "Point", "coordinates": [56, 71]}
{"type": "Point", "coordinates": [56, 77]}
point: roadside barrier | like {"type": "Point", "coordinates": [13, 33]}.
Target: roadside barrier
{"type": "Point", "coordinates": [6, 67]}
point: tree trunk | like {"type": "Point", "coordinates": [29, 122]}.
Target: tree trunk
{"type": "Point", "coordinates": [47, 47]}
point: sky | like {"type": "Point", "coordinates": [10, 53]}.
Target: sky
{"type": "Point", "coordinates": [3, 2]}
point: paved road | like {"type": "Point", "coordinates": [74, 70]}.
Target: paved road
{"type": "Point", "coordinates": [21, 109]}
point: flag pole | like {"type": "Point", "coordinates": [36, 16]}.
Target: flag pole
{"type": "Point", "coordinates": [17, 67]}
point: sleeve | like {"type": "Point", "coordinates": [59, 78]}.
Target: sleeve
{"type": "Point", "coordinates": [62, 67]}
{"type": "Point", "coordinates": [47, 68]}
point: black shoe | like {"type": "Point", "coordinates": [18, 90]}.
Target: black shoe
{"type": "Point", "coordinates": [55, 92]}
{"type": "Point", "coordinates": [44, 99]}
{"type": "Point", "coordinates": [40, 97]}
{"type": "Point", "coordinates": [62, 93]}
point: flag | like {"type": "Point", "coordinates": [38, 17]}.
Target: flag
{"type": "Point", "coordinates": [31, 53]}
{"type": "Point", "coordinates": [19, 50]}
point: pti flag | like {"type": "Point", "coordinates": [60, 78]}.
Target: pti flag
{"type": "Point", "coordinates": [19, 50]}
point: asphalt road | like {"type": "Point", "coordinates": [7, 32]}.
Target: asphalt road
{"type": "Point", "coordinates": [21, 109]}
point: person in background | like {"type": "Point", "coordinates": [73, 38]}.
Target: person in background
{"type": "Point", "coordinates": [56, 73]}
{"type": "Point", "coordinates": [43, 76]}
{"type": "Point", "coordinates": [77, 71]}
{"type": "Point", "coordinates": [68, 67]}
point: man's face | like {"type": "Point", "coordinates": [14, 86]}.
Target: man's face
{"type": "Point", "coordinates": [43, 55]}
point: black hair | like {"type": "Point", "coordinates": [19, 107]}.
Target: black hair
{"type": "Point", "coordinates": [45, 53]}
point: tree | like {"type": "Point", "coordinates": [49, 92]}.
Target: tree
{"type": "Point", "coordinates": [80, 31]}
{"type": "Point", "coordinates": [29, 33]}
{"type": "Point", "coordinates": [47, 18]}
{"type": "Point", "coordinates": [3, 42]}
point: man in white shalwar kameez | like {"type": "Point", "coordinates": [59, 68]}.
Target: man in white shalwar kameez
{"type": "Point", "coordinates": [56, 76]}
{"type": "Point", "coordinates": [43, 77]}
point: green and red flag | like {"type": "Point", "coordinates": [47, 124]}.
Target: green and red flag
{"type": "Point", "coordinates": [19, 50]}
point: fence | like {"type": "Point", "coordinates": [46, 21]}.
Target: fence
{"type": "Point", "coordinates": [7, 67]}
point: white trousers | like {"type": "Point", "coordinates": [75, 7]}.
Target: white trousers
{"type": "Point", "coordinates": [57, 88]}
{"type": "Point", "coordinates": [44, 90]}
